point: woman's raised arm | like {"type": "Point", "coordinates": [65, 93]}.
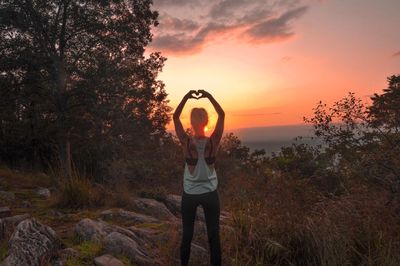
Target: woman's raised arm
{"type": "Point", "coordinates": [180, 132]}
{"type": "Point", "coordinates": [219, 128]}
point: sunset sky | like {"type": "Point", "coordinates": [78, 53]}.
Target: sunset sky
{"type": "Point", "coordinates": [269, 62]}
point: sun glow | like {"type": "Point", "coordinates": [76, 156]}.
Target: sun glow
{"type": "Point", "coordinates": [205, 128]}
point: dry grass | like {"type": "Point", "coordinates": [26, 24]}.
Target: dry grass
{"type": "Point", "coordinates": [276, 220]}
{"type": "Point", "coordinates": [78, 192]}
{"type": "Point", "coordinates": [12, 179]}
{"type": "Point", "coordinates": [169, 251]}
{"type": "Point", "coordinates": [291, 223]}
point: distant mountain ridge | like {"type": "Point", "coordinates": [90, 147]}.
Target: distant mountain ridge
{"type": "Point", "coordinates": [272, 138]}
{"type": "Point", "coordinates": [273, 133]}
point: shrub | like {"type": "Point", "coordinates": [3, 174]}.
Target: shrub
{"type": "Point", "coordinates": [75, 193]}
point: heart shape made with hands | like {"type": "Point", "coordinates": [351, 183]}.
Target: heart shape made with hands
{"type": "Point", "coordinates": [197, 94]}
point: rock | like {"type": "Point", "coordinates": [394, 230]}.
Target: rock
{"type": "Point", "coordinates": [198, 255]}
{"type": "Point", "coordinates": [26, 204]}
{"type": "Point", "coordinates": [107, 214]}
{"type": "Point", "coordinates": [5, 212]}
{"type": "Point", "coordinates": [43, 192]}
{"type": "Point", "coordinates": [137, 217]}
{"type": "Point", "coordinates": [152, 235]}
{"type": "Point", "coordinates": [31, 244]}
{"type": "Point", "coordinates": [199, 229]}
{"type": "Point", "coordinates": [7, 195]}
{"type": "Point", "coordinates": [173, 203]}
{"type": "Point", "coordinates": [200, 214]}
{"type": "Point", "coordinates": [128, 216]}
{"type": "Point", "coordinates": [58, 262]}
{"type": "Point", "coordinates": [154, 208]}
{"type": "Point", "coordinates": [88, 229]}
{"type": "Point", "coordinates": [16, 219]}
{"type": "Point", "coordinates": [107, 260]}
{"type": "Point", "coordinates": [9, 223]}
{"type": "Point", "coordinates": [52, 189]}
{"type": "Point", "coordinates": [118, 244]}
{"type": "Point", "coordinates": [56, 213]}
{"type": "Point", "coordinates": [68, 253]}
{"type": "Point", "coordinates": [64, 255]}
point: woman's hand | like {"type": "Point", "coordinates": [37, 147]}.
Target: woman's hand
{"type": "Point", "coordinates": [204, 94]}
{"type": "Point", "coordinates": [190, 94]}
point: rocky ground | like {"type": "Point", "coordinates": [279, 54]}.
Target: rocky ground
{"type": "Point", "coordinates": [146, 233]}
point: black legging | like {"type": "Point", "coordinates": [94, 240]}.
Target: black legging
{"type": "Point", "coordinates": [210, 203]}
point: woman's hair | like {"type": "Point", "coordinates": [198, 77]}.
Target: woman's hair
{"type": "Point", "coordinates": [199, 117]}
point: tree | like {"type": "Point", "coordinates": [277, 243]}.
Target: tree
{"type": "Point", "coordinates": [74, 74]}
{"type": "Point", "coordinates": [385, 109]}
{"type": "Point", "coordinates": [365, 138]}
{"type": "Point", "coordinates": [232, 146]}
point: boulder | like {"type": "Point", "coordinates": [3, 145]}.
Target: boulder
{"type": "Point", "coordinates": [68, 253]}
{"type": "Point", "coordinates": [31, 244]}
{"type": "Point", "coordinates": [152, 235]}
{"type": "Point", "coordinates": [56, 213]}
{"type": "Point", "coordinates": [7, 196]}
{"type": "Point", "coordinates": [200, 214]}
{"type": "Point", "coordinates": [5, 212]}
{"type": "Point", "coordinates": [199, 255]}
{"type": "Point", "coordinates": [16, 219]}
{"type": "Point", "coordinates": [88, 229]}
{"type": "Point", "coordinates": [118, 244]}
{"type": "Point", "coordinates": [26, 204]}
{"type": "Point", "coordinates": [8, 223]}
{"type": "Point", "coordinates": [153, 208]}
{"type": "Point", "coordinates": [43, 192]}
{"type": "Point", "coordinates": [173, 204]}
{"type": "Point", "coordinates": [107, 214]}
{"type": "Point", "coordinates": [199, 229]}
{"type": "Point", "coordinates": [128, 216]}
{"type": "Point", "coordinates": [107, 260]}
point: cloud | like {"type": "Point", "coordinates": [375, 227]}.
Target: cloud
{"type": "Point", "coordinates": [174, 2]}
{"type": "Point", "coordinates": [254, 16]}
{"type": "Point", "coordinates": [177, 44]}
{"type": "Point", "coordinates": [176, 24]}
{"type": "Point", "coordinates": [286, 58]}
{"type": "Point", "coordinates": [396, 54]}
{"type": "Point", "coordinates": [225, 8]}
{"type": "Point", "coordinates": [182, 44]}
{"type": "Point", "coordinates": [186, 26]}
{"type": "Point", "coordinates": [275, 29]}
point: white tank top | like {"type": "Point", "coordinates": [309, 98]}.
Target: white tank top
{"type": "Point", "coordinates": [203, 179]}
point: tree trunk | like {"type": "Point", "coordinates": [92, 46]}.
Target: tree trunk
{"type": "Point", "coordinates": [65, 158]}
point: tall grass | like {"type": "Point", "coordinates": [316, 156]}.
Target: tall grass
{"type": "Point", "coordinates": [78, 191]}
{"type": "Point", "coordinates": [293, 224]}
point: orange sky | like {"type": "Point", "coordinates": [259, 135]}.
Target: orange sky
{"type": "Point", "coordinates": [298, 54]}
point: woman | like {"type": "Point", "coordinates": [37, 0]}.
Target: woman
{"type": "Point", "coordinates": [200, 179]}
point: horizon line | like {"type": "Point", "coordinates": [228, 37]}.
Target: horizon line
{"type": "Point", "coordinates": [240, 128]}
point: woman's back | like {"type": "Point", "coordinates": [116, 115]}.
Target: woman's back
{"type": "Point", "coordinates": [203, 178]}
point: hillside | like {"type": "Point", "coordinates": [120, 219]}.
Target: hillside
{"type": "Point", "coordinates": [145, 231]}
